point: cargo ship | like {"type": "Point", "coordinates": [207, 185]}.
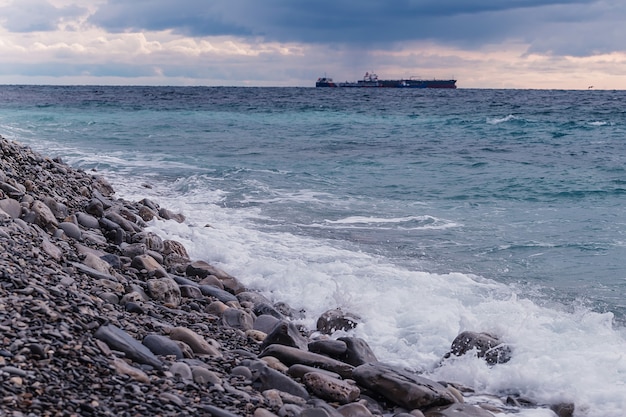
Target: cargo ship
{"type": "Point", "coordinates": [370, 80]}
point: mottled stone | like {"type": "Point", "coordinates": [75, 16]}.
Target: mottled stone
{"type": "Point", "coordinates": [331, 389]}
{"type": "Point", "coordinates": [486, 346]}
{"type": "Point", "coordinates": [165, 290]}
{"type": "Point", "coordinates": [204, 376]}
{"type": "Point", "coordinates": [337, 319]}
{"type": "Point", "coordinates": [43, 216]}
{"type": "Point", "coordinates": [239, 319]}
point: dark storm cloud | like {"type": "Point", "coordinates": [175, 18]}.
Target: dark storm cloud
{"type": "Point", "coordinates": [36, 15]}
{"type": "Point", "coordinates": [342, 21]}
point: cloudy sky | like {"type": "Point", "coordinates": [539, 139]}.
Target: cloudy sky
{"type": "Point", "coordinates": [569, 44]}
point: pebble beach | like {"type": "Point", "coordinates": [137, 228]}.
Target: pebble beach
{"type": "Point", "coordinates": [99, 317]}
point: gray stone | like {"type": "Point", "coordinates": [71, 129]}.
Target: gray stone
{"type": "Point", "coordinates": [457, 410]}
{"type": "Point", "coordinates": [355, 410]}
{"type": "Point", "coordinates": [332, 348]}
{"type": "Point", "coordinates": [11, 207]}
{"type": "Point", "coordinates": [238, 319]}
{"type": "Point", "coordinates": [358, 351]}
{"type": "Point", "coordinates": [291, 356]}
{"type": "Point", "coordinates": [196, 342]}
{"type": "Point", "coordinates": [204, 376]}
{"type": "Point", "coordinates": [163, 346]}
{"type": "Point", "coordinates": [299, 370]}
{"type": "Point", "coordinates": [182, 370]}
{"type": "Point", "coordinates": [87, 220]}
{"type": "Point", "coordinates": [265, 323]}
{"type": "Point", "coordinates": [272, 379]}
{"type": "Point", "coordinates": [118, 339]}
{"type": "Point", "coordinates": [223, 296]}
{"type": "Point", "coordinates": [401, 387]}
{"type": "Point", "coordinates": [285, 333]}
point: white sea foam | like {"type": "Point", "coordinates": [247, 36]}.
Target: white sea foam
{"type": "Point", "coordinates": [498, 120]}
{"type": "Point", "coordinates": [411, 317]}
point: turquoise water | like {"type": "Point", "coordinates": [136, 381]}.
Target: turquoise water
{"type": "Point", "coordinates": [470, 204]}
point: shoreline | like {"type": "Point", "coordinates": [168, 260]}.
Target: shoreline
{"type": "Point", "coordinates": [100, 317]}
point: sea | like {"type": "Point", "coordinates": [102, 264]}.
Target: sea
{"type": "Point", "coordinates": [425, 212]}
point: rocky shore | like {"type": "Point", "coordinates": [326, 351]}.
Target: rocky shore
{"type": "Point", "coordinates": [99, 317]}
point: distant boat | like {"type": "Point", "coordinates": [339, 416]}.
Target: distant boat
{"type": "Point", "coordinates": [370, 80]}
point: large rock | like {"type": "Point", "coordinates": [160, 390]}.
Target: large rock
{"type": "Point", "coordinates": [118, 339]}
{"type": "Point", "coordinates": [406, 389]}
{"type": "Point", "coordinates": [358, 351]}
{"type": "Point", "coordinates": [285, 333]}
{"type": "Point", "coordinates": [486, 346]}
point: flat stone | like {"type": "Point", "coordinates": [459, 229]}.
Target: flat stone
{"type": "Point", "coordinates": [196, 342]}
{"type": "Point", "coordinates": [273, 379]}
{"type": "Point", "coordinates": [163, 346]}
{"type": "Point", "coordinates": [265, 323]}
{"type": "Point", "coordinates": [332, 348]}
{"type": "Point", "coordinates": [87, 220]}
{"type": "Point", "coordinates": [401, 387]}
{"type": "Point", "coordinates": [291, 356]}
{"type": "Point", "coordinates": [118, 339]}
{"type": "Point", "coordinates": [222, 295]}
{"type": "Point", "coordinates": [457, 410]}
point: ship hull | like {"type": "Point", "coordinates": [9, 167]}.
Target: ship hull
{"type": "Point", "coordinates": [376, 83]}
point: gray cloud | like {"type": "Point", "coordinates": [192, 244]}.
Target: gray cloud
{"type": "Point", "coordinates": [36, 15]}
